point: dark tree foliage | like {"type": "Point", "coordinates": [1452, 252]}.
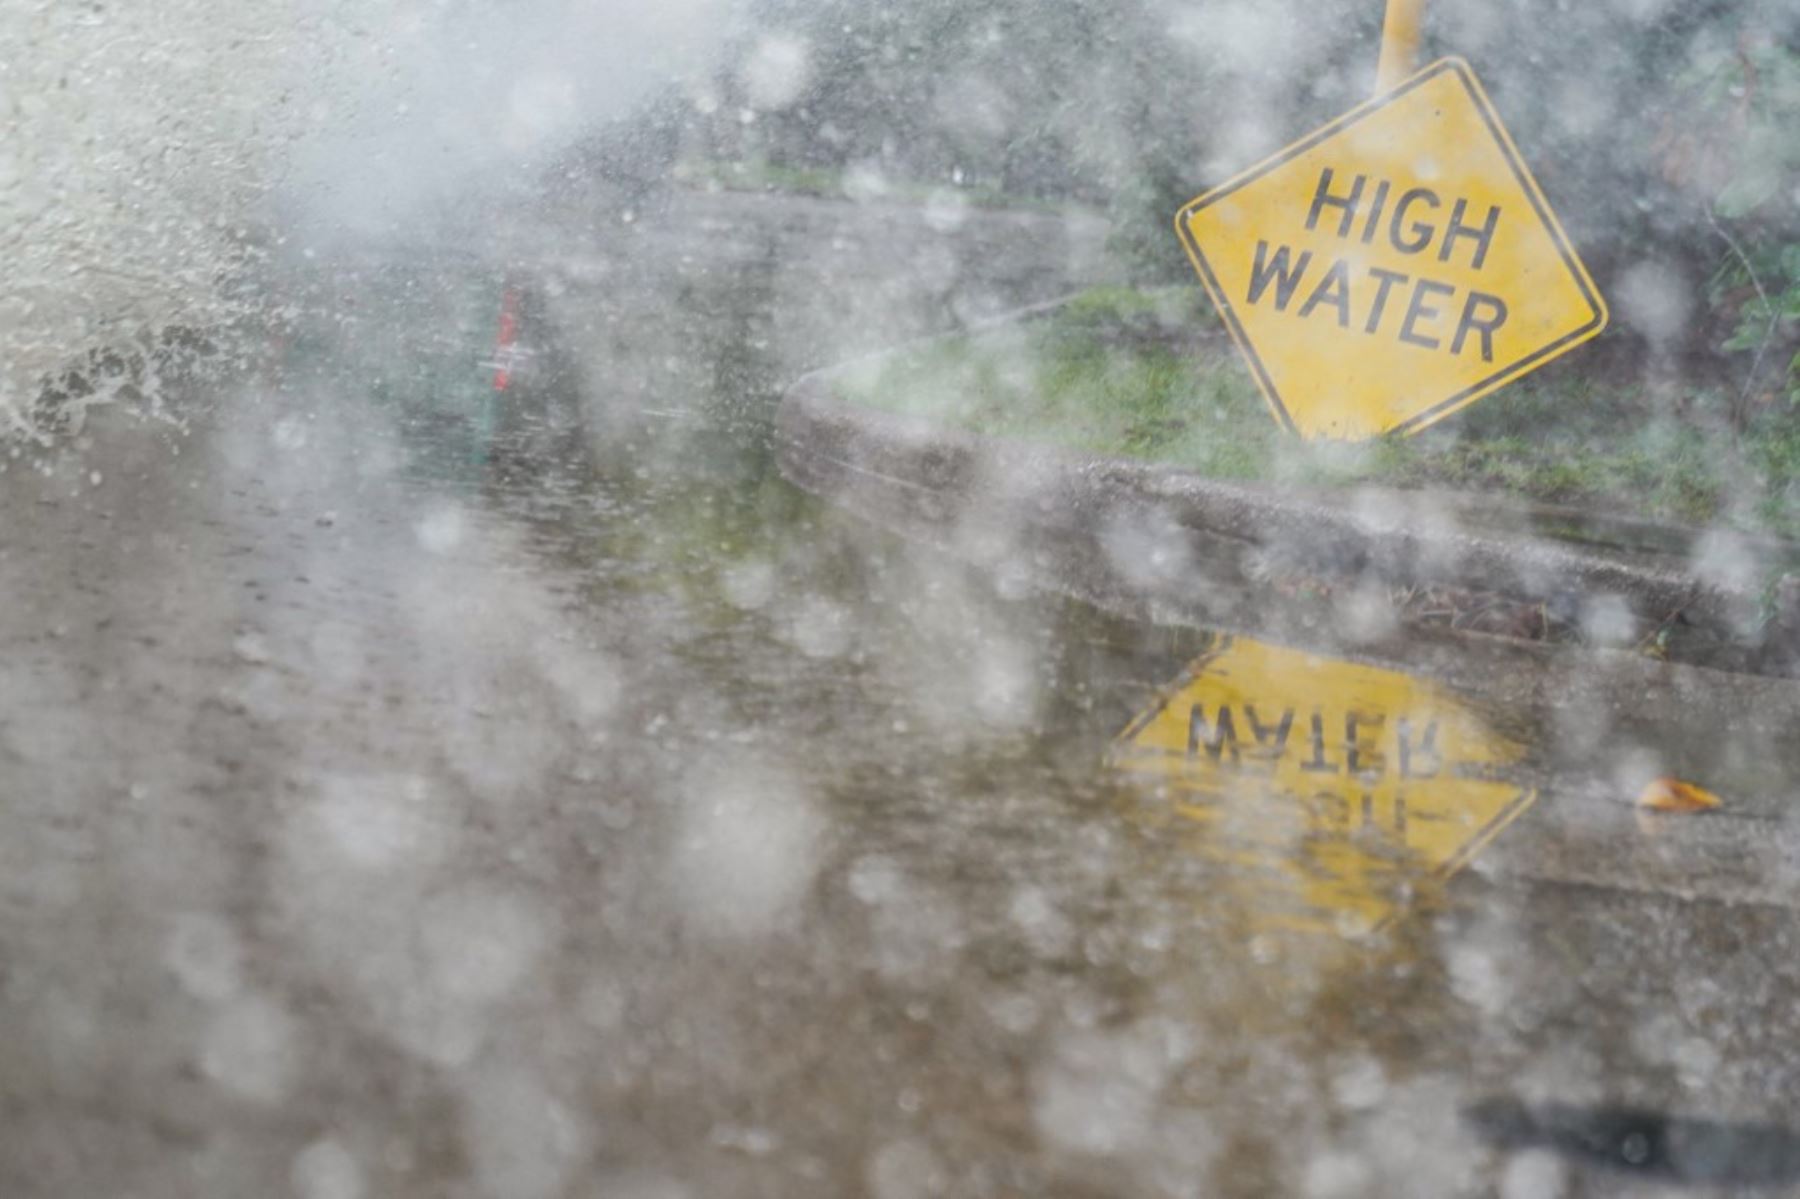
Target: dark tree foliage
{"type": "Point", "coordinates": [1647, 121]}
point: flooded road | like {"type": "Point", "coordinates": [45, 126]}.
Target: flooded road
{"type": "Point", "coordinates": [419, 787]}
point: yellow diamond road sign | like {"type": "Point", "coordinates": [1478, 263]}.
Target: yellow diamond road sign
{"type": "Point", "coordinates": [1326, 792]}
{"type": "Point", "coordinates": [1394, 266]}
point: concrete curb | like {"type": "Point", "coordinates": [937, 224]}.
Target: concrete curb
{"type": "Point", "coordinates": [1147, 539]}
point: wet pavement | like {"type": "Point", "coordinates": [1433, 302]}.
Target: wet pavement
{"type": "Point", "coordinates": [412, 788]}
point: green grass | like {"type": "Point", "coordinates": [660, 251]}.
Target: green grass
{"type": "Point", "coordinates": [1146, 374]}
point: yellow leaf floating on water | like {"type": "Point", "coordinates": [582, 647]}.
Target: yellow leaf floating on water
{"type": "Point", "coordinates": [1672, 795]}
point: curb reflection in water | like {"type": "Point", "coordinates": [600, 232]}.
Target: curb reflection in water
{"type": "Point", "coordinates": [1326, 792]}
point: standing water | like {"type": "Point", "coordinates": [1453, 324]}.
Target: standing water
{"type": "Point", "coordinates": [445, 756]}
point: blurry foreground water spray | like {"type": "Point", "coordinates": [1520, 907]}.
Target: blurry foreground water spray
{"type": "Point", "coordinates": [150, 155]}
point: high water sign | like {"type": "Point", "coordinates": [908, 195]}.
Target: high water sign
{"type": "Point", "coordinates": [1394, 266]}
{"type": "Point", "coordinates": [1327, 793]}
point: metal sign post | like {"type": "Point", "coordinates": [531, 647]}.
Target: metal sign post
{"type": "Point", "coordinates": [1400, 38]}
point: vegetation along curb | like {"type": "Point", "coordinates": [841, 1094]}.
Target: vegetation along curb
{"type": "Point", "coordinates": [1164, 541]}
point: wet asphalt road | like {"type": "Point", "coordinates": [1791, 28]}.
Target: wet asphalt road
{"type": "Point", "coordinates": [577, 809]}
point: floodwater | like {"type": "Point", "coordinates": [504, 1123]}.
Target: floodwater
{"type": "Point", "coordinates": [415, 787]}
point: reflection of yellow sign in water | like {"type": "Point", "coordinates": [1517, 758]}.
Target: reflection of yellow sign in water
{"type": "Point", "coordinates": [1326, 791]}
{"type": "Point", "coordinates": [1394, 266]}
